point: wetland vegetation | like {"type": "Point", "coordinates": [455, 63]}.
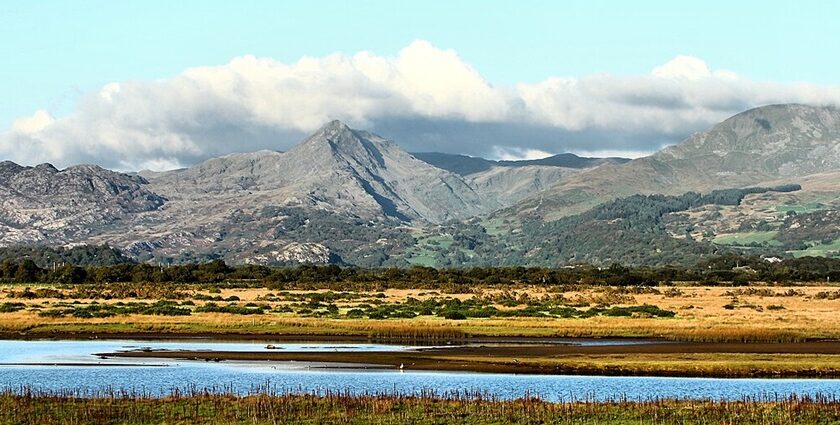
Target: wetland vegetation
{"type": "Point", "coordinates": [428, 306]}
{"type": "Point", "coordinates": [428, 408]}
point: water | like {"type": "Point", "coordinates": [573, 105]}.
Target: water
{"type": "Point", "coordinates": [158, 376]}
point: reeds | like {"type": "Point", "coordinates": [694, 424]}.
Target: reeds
{"type": "Point", "coordinates": [267, 406]}
{"type": "Point", "coordinates": [418, 336]}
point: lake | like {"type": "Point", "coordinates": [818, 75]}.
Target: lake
{"type": "Point", "coordinates": [72, 365]}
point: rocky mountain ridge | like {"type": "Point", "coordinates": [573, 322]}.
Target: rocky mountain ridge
{"type": "Point", "coordinates": [771, 143]}
{"type": "Point", "coordinates": [40, 203]}
{"type": "Point", "coordinates": [352, 197]}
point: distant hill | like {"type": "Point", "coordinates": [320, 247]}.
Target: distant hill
{"type": "Point", "coordinates": [466, 165]}
{"type": "Point", "coordinates": [771, 143]}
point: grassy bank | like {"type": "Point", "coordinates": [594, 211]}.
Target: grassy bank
{"type": "Point", "coordinates": [396, 409]}
{"type": "Point", "coordinates": [418, 330]}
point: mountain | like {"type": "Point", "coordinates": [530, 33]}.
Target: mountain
{"type": "Point", "coordinates": [337, 169]}
{"type": "Point", "coordinates": [777, 142]}
{"type": "Point", "coordinates": [44, 204]}
{"type": "Point", "coordinates": [351, 197]}
{"type": "Point", "coordinates": [508, 182]}
{"type": "Point", "coordinates": [509, 185]}
{"type": "Point", "coordinates": [466, 165]}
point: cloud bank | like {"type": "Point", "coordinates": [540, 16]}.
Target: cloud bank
{"type": "Point", "coordinates": [425, 98]}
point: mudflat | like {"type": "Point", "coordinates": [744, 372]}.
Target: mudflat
{"type": "Point", "coordinates": [805, 359]}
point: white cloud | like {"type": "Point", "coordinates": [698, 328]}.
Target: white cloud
{"type": "Point", "coordinates": [690, 68]}
{"type": "Point", "coordinates": [687, 67]}
{"type": "Point", "coordinates": [611, 153]}
{"type": "Point", "coordinates": [254, 103]}
{"type": "Point", "coordinates": [40, 120]}
{"type": "Point", "coordinates": [518, 154]}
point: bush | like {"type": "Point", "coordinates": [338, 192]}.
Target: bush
{"type": "Point", "coordinates": [645, 310]}
{"type": "Point", "coordinates": [355, 313]}
{"type": "Point", "coordinates": [454, 315]}
{"type": "Point", "coordinates": [11, 307]}
{"type": "Point", "coordinates": [377, 314]}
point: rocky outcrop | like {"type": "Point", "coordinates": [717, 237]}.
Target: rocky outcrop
{"type": "Point", "coordinates": [44, 204]}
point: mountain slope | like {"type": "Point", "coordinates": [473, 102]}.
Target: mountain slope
{"type": "Point", "coordinates": [466, 165]}
{"type": "Point", "coordinates": [509, 185]}
{"type": "Point", "coordinates": [338, 169]}
{"type": "Point", "coordinates": [763, 144]}
{"type": "Point", "coordinates": [48, 205]}
{"type": "Point", "coordinates": [508, 182]}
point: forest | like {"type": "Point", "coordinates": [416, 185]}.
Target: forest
{"type": "Point", "coordinates": [722, 270]}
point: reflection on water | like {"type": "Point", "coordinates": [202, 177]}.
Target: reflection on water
{"type": "Point", "coordinates": [162, 376]}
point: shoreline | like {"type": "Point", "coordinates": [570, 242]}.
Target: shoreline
{"type": "Point", "coordinates": [616, 360]}
{"type": "Point", "coordinates": [269, 337]}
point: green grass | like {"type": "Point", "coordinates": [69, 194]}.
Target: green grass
{"type": "Point", "coordinates": [820, 250]}
{"type": "Point", "coordinates": [800, 208]}
{"type": "Point", "coordinates": [423, 253]}
{"type": "Point", "coordinates": [496, 226]}
{"type": "Point", "coordinates": [748, 238]}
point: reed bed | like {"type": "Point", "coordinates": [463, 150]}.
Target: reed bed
{"type": "Point", "coordinates": [418, 336]}
{"type": "Point", "coordinates": [266, 406]}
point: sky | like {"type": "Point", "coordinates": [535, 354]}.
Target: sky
{"type": "Point", "coordinates": [161, 84]}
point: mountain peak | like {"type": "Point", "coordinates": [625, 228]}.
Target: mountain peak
{"type": "Point", "coordinates": [46, 167]}
{"type": "Point", "coordinates": [336, 139]}
{"type": "Point", "coordinates": [335, 125]}
{"type": "Point", "coordinates": [334, 133]}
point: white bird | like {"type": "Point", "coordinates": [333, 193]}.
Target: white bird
{"type": "Point", "coordinates": [402, 366]}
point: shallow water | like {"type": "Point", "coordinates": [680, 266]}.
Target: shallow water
{"type": "Point", "coordinates": [158, 376]}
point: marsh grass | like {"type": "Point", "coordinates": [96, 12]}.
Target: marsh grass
{"type": "Point", "coordinates": [700, 313]}
{"type": "Point", "coordinates": [26, 405]}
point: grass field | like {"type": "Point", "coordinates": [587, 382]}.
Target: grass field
{"type": "Point", "coordinates": [819, 250]}
{"type": "Point", "coordinates": [423, 253]}
{"type": "Point", "coordinates": [748, 238]}
{"type": "Point", "coordinates": [800, 208]}
{"type": "Point", "coordinates": [700, 313]}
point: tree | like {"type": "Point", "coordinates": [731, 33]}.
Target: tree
{"type": "Point", "coordinates": [27, 271]}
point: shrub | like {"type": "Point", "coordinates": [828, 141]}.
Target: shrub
{"type": "Point", "coordinates": [454, 315]}
{"type": "Point", "coordinates": [11, 307]}
{"type": "Point", "coordinates": [355, 313]}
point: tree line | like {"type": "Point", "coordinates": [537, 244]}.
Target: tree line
{"type": "Point", "coordinates": [731, 269]}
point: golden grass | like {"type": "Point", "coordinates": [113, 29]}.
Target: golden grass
{"type": "Point", "coordinates": [701, 316]}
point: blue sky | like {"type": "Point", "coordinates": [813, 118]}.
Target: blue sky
{"type": "Point", "coordinates": [55, 53]}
